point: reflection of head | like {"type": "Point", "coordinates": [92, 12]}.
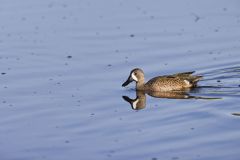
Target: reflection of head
{"type": "Point", "coordinates": [139, 102]}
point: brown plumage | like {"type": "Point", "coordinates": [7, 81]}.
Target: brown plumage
{"type": "Point", "coordinates": [179, 81]}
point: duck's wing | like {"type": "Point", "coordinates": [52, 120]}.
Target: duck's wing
{"type": "Point", "coordinates": [183, 74]}
{"type": "Point", "coordinates": [178, 76]}
{"type": "Point", "coordinates": [162, 79]}
{"type": "Point", "coordinates": [187, 76]}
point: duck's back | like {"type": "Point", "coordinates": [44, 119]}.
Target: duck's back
{"type": "Point", "coordinates": [177, 81]}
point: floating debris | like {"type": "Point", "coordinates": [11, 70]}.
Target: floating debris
{"type": "Point", "coordinates": [175, 158]}
{"type": "Point", "coordinates": [197, 18]}
{"type": "Point", "coordinates": [67, 141]}
{"type": "Point", "coordinates": [224, 9]}
{"type": "Point", "coordinates": [23, 18]}
{"type": "Point", "coordinates": [64, 5]}
{"type": "Point", "coordinates": [132, 35]}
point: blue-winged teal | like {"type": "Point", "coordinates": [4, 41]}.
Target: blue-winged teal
{"type": "Point", "coordinates": [179, 81]}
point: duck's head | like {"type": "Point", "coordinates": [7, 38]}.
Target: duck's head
{"type": "Point", "coordinates": [136, 75]}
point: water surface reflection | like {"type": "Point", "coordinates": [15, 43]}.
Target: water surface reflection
{"type": "Point", "coordinates": [140, 101]}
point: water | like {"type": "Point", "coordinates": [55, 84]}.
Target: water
{"type": "Point", "coordinates": [62, 64]}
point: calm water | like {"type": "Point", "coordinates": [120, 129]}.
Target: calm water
{"type": "Point", "coordinates": [62, 64]}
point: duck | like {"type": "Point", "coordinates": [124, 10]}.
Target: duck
{"type": "Point", "coordinates": [174, 82]}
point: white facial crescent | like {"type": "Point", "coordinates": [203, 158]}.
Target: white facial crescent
{"type": "Point", "coordinates": [134, 104]}
{"type": "Point", "coordinates": [134, 77]}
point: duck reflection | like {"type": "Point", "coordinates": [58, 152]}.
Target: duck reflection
{"type": "Point", "coordinates": [140, 101]}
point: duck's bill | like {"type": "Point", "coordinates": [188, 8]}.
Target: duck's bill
{"type": "Point", "coordinates": [129, 80]}
{"type": "Point", "coordinates": [126, 98]}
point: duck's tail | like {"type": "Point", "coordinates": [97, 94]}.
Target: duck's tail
{"type": "Point", "coordinates": [195, 79]}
